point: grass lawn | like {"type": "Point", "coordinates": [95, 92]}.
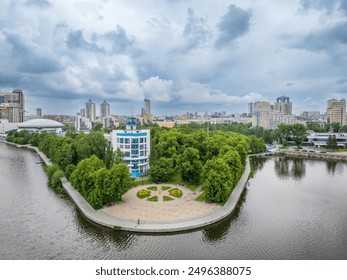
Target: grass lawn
{"type": "Point", "coordinates": [168, 198]}
{"type": "Point", "coordinates": [201, 197]}
{"type": "Point", "coordinates": [152, 188]}
{"type": "Point", "coordinates": [153, 198]}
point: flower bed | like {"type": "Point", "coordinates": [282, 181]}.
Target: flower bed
{"type": "Point", "coordinates": [176, 192]}
{"type": "Point", "coordinates": [143, 193]}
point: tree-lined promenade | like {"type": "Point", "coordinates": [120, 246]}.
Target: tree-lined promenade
{"type": "Point", "coordinates": [185, 154]}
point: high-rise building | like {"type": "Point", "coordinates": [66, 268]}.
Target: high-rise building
{"type": "Point", "coordinates": [104, 110]}
{"type": "Point", "coordinates": [250, 109]}
{"type": "Point", "coordinates": [336, 111]}
{"type": "Point", "coordinates": [90, 110]}
{"type": "Point", "coordinates": [261, 114]}
{"type": "Point", "coordinates": [83, 113]}
{"type": "Point", "coordinates": [283, 105]}
{"type": "Point", "coordinates": [147, 106]}
{"type": "Point", "coordinates": [12, 106]}
{"type": "Point", "coordinates": [39, 112]}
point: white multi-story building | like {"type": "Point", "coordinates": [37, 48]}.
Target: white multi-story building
{"type": "Point", "coordinates": [82, 124]}
{"type": "Point", "coordinates": [135, 144]}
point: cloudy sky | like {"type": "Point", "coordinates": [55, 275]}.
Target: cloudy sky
{"type": "Point", "coordinates": [184, 55]}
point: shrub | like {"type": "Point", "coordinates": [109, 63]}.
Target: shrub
{"type": "Point", "coordinates": [143, 193]}
{"type": "Point", "coordinates": [176, 192]}
{"type": "Point", "coordinates": [152, 188]}
{"type": "Point", "coordinates": [168, 198]}
{"type": "Point", "coordinates": [165, 188]}
{"type": "Point", "coordinates": [56, 179]}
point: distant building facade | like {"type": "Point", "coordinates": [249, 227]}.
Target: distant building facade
{"type": "Point", "coordinates": [283, 105]}
{"type": "Point", "coordinates": [147, 106]}
{"type": "Point", "coordinates": [336, 111]}
{"type": "Point", "coordinates": [90, 110]}
{"type": "Point", "coordinates": [104, 110]}
{"type": "Point", "coordinates": [12, 106]}
{"type": "Point", "coordinates": [82, 124]}
{"type": "Point", "coordinates": [250, 109]}
{"type": "Point", "coordinates": [39, 112]}
{"type": "Point", "coordinates": [261, 114]}
{"type": "Point", "coordinates": [39, 125]}
{"type": "Point", "coordinates": [270, 116]}
{"type": "Point", "coordinates": [135, 144]}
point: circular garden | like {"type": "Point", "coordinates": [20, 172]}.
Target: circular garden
{"type": "Point", "coordinates": [159, 193]}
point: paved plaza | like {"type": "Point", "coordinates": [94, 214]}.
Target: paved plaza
{"type": "Point", "coordinates": [185, 207]}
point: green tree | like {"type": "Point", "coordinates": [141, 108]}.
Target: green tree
{"type": "Point", "coordinates": [162, 170]}
{"type": "Point", "coordinates": [117, 183]}
{"type": "Point", "coordinates": [332, 142]}
{"type": "Point", "coordinates": [218, 182]}
{"type": "Point", "coordinates": [335, 127]}
{"type": "Point", "coordinates": [283, 133]}
{"type": "Point", "coordinates": [242, 152]}
{"type": "Point", "coordinates": [299, 134]}
{"type": "Point", "coordinates": [256, 145]}
{"type": "Point", "coordinates": [80, 176]}
{"type": "Point", "coordinates": [97, 127]}
{"type": "Point", "coordinates": [233, 159]}
{"type": "Point", "coordinates": [190, 165]}
{"type": "Point", "coordinates": [118, 156]}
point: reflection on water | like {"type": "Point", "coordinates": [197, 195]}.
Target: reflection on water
{"type": "Point", "coordinates": [290, 168]}
{"type": "Point", "coordinates": [331, 167]}
{"type": "Point", "coordinates": [291, 209]}
{"type": "Point", "coordinates": [217, 232]}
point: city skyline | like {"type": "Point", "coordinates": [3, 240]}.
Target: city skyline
{"type": "Point", "coordinates": [182, 55]}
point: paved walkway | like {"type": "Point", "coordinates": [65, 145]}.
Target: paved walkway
{"type": "Point", "coordinates": [182, 208]}
{"type": "Point", "coordinates": [197, 219]}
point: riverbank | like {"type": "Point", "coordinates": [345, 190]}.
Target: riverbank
{"type": "Point", "coordinates": [107, 220]}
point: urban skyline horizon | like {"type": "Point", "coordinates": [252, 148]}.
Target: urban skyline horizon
{"type": "Point", "coordinates": [192, 55]}
{"type": "Point", "coordinates": [132, 112]}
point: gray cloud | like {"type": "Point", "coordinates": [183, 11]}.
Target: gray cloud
{"type": "Point", "coordinates": [121, 43]}
{"type": "Point", "coordinates": [112, 42]}
{"type": "Point", "coordinates": [343, 6]}
{"type": "Point", "coordinates": [195, 31]}
{"type": "Point", "coordinates": [326, 39]}
{"type": "Point", "coordinates": [235, 23]}
{"type": "Point", "coordinates": [318, 4]}
{"type": "Point", "coordinates": [38, 3]}
{"type": "Point", "coordinates": [327, 5]}
{"type": "Point", "coordinates": [30, 58]}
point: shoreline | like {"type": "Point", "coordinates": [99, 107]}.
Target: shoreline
{"type": "Point", "coordinates": [305, 155]}
{"type": "Point", "coordinates": [107, 220]}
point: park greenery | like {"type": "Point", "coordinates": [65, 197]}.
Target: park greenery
{"type": "Point", "coordinates": [194, 155]}
{"type": "Point", "coordinates": [87, 160]}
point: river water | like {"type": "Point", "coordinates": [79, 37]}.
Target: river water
{"type": "Point", "coordinates": [291, 209]}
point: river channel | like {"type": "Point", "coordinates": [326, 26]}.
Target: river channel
{"type": "Point", "coordinates": [291, 209]}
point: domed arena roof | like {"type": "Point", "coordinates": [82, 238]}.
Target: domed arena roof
{"type": "Point", "coordinates": [40, 123]}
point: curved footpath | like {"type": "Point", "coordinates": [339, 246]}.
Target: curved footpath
{"type": "Point", "coordinates": [102, 218]}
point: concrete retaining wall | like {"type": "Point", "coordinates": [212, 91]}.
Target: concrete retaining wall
{"type": "Point", "coordinates": [107, 220]}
